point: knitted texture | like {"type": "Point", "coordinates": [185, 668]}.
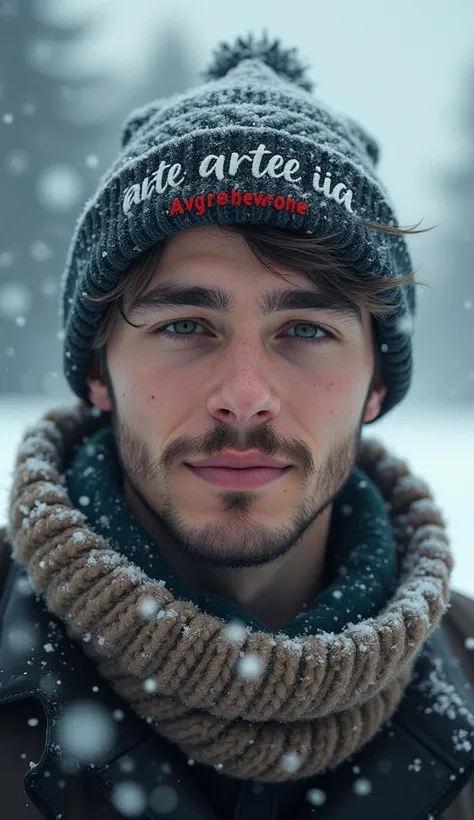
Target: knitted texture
{"type": "Point", "coordinates": [317, 698]}
{"type": "Point", "coordinates": [250, 145]}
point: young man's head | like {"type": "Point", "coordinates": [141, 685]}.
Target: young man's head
{"type": "Point", "coordinates": [239, 282]}
{"type": "Point", "coordinates": [245, 339]}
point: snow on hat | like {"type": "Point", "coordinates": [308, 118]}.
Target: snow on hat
{"type": "Point", "coordinates": [252, 144]}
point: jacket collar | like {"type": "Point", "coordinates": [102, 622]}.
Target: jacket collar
{"type": "Point", "coordinates": [416, 765]}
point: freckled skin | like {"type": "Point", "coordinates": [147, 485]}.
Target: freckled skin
{"type": "Point", "coordinates": [242, 381]}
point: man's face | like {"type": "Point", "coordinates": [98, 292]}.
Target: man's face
{"type": "Point", "coordinates": [292, 384]}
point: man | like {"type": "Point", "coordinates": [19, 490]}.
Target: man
{"type": "Point", "coordinates": [228, 603]}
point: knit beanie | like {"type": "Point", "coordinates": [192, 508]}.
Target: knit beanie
{"type": "Point", "coordinates": [252, 144]}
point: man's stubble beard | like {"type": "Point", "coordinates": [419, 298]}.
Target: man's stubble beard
{"type": "Point", "coordinates": [234, 539]}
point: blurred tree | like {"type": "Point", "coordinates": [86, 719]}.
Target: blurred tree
{"type": "Point", "coordinates": [446, 321]}
{"type": "Point", "coordinates": [42, 180]}
{"type": "Point", "coordinates": [69, 74]}
{"type": "Point", "coordinates": [174, 66]}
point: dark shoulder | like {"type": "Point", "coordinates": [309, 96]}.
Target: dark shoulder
{"type": "Point", "coordinates": [458, 626]}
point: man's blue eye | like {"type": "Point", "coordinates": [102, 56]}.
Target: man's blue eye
{"type": "Point", "coordinates": [326, 337]}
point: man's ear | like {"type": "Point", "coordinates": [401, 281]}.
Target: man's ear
{"type": "Point", "coordinates": [99, 394]}
{"type": "Point", "coordinates": [377, 396]}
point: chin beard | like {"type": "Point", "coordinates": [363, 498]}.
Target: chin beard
{"type": "Point", "coordinates": [234, 539]}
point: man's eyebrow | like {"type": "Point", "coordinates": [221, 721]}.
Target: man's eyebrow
{"type": "Point", "coordinates": [165, 296]}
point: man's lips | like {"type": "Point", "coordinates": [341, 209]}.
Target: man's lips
{"type": "Point", "coordinates": [241, 460]}
{"type": "Point", "coordinates": [243, 478]}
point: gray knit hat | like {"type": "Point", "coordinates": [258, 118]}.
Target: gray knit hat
{"type": "Point", "coordinates": [250, 145]}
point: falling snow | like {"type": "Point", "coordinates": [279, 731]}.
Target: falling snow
{"type": "Point", "coordinates": [250, 666]}
{"type": "Point", "coordinates": [15, 298]}
{"type": "Point", "coordinates": [92, 160]}
{"type": "Point", "coordinates": [127, 764]}
{"type": "Point", "coordinates": [291, 762]}
{"type": "Point", "coordinates": [235, 631]}
{"type": "Point", "coordinates": [16, 162]}
{"type": "Point", "coordinates": [129, 798]}
{"type": "Point", "coordinates": [405, 324]}
{"type": "Point", "coordinates": [40, 251]}
{"type": "Point", "coordinates": [85, 731]}
{"type": "Point", "coordinates": [362, 787]}
{"type": "Point", "coordinates": [163, 799]}
{"type": "Point", "coordinates": [24, 587]}
{"type": "Point", "coordinates": [7, 258]}
{"type": "Point", "coordinates": [59, 188]}
{"type": "Point", "coordinates": [316, 797]}
{"type": "Point", "coordinates": [148, 607]}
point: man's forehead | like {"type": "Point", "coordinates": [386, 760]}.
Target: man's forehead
{"type": "Point", "coordinates": [203, 249]}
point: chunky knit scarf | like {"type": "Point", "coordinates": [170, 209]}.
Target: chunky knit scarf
{"type": "Point", "coordinates": [316, 700]}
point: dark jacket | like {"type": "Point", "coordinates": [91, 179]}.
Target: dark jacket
{"type": "Point", "coordinates": [420, 765]}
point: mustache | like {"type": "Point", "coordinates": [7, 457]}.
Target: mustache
{"type": "Point", "coordinates": [145, 467]}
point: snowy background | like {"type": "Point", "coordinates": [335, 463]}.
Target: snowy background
{"type": "Point", "coordinates": [71, 71]}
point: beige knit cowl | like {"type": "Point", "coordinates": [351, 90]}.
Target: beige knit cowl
{"type": "Point", "coordinates": [316, 700]}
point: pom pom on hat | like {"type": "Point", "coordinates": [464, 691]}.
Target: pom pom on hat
{"type": "Point", "coordinates": [284, 62]}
